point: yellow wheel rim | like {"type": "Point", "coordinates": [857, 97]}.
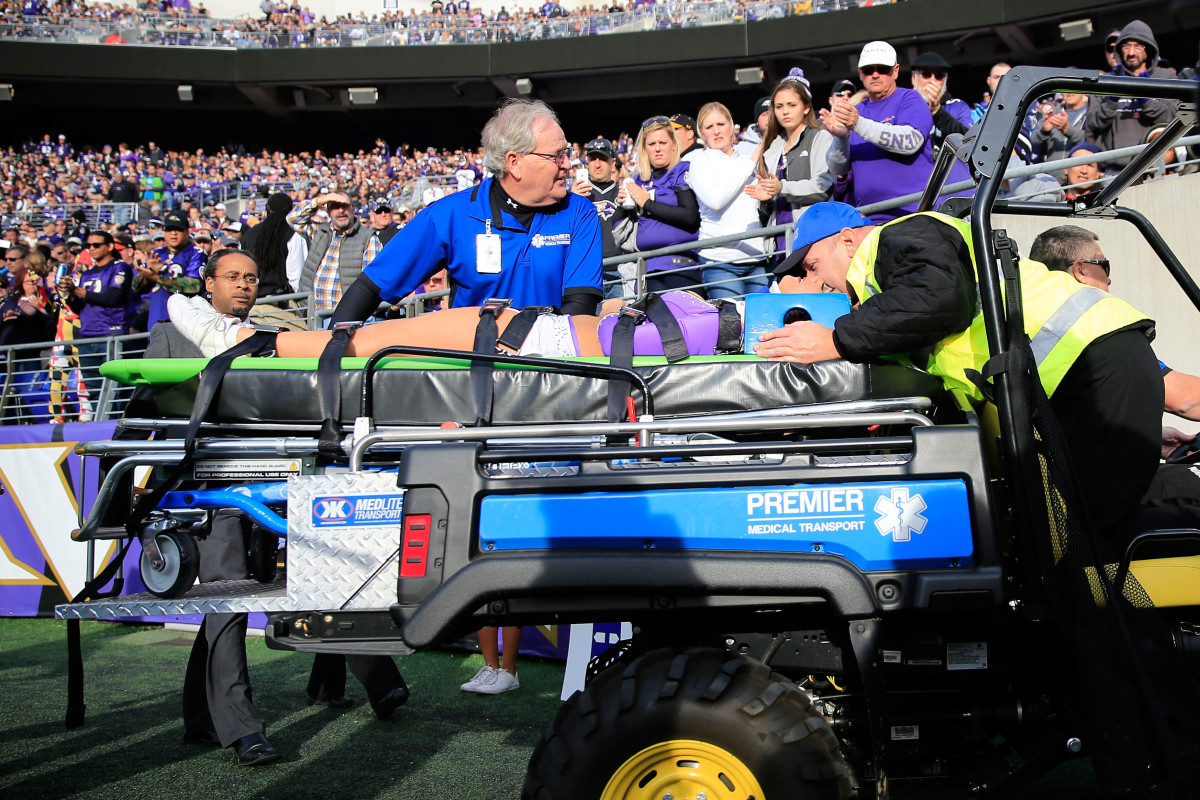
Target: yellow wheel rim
{"type": "Point", "coordinates": [683, 769]}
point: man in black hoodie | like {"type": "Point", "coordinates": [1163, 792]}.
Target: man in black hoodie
{"type": "Point", "coordinates": [1117, 122]}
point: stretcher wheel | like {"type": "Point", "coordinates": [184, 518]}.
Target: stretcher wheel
{"type": "Point", "coordinates": [262, 553]}
{"type": "Point", "coordinates": [672, 724]}
{"type": "Point", "coordinates": [181, 565]}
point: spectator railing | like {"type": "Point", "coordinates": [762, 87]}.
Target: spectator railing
{"type": "Point", "coordinates": [422, 29]}
{"type": "Point", "coordinates": [95, 213]}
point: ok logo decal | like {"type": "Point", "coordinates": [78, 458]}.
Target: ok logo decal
{"type": "Point", "coordinates": [332, 509]}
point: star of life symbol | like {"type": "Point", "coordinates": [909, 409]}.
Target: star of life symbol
{"type": "Point", "coordinates": [900, 515]}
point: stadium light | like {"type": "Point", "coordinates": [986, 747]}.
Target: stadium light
{"type": "Point", "coordinates": [185, 93]}
{"type": "Point", "coordinates": [524, 87]}
{"type": "Point", "coordinates": [363, 95]}
{"type": "Point", "coordinates": [1078, 29]}
{"type": "Point", "coordinates": [6, 91]}
{"type": "Point", "coordinates": [748, 76]}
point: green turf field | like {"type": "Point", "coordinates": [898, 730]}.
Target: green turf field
{"type": "Point", "coordinates": [444, 744]}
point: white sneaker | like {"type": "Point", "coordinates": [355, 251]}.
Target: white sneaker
{"type": "Point", "coordinates": [485, 675]}
{"type": "Point", "coordinates": [502, 681]}
{"type": "Point", "coordinates": [201, 324]}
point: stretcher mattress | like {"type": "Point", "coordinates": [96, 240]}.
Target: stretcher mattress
{"type": "Point", "coordinates": [411, 391]}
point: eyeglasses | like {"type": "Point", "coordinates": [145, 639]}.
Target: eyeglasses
{"type": "Point", "coordinates": [13, 258]}
{"type": "Point", "coordinates": [1132, 44]}
{"type": "Point", "coordinates": [337, 206]}
{"type": "Point", "coordinates": [875, 69]}
{"type": "Point", "coordinates": [656, 121]}
{"type": "Point", "coordinates": [94, 245]}
{"type": "Point", "coordinates": [561, 155]}
{"type": "Point", "coordinates": [235, 277]}
{"type": "Point", "coordinates": [1110, 48]}
{"type": "Point", "coordinates": [1100, 262]}
{"type": "Point", "coordinates": [940, 74]}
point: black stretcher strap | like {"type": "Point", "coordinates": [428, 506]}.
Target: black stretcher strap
{"type": "Point", "coordinates": [486, 335]}
{"type": "Point", "coordinates": [210, 381]}
{"type": "Point", "coordinates": [518, 328]}
{"type": "Point", "coordinates": [329, 389]}
{"type": "Point", "coordinates": [620, 352]}
{"type": "Point", "coordinates": [729, 328]}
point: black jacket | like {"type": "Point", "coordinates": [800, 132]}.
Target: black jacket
{"type": "Point", "coordinates": [924, 269]}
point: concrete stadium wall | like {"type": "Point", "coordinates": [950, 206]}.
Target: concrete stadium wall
{"type": "Point", "coordinates": [1138, 276]}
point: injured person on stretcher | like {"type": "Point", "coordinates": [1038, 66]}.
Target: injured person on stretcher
{"type": "Point", "coordinates": [551, 335]}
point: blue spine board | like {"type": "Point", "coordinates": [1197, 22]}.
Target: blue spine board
{"type": "Point", "coordinates": [876, 526]}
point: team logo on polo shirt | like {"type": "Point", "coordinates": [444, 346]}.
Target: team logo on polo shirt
{"type": "Point", "coordinates": [551, 240]}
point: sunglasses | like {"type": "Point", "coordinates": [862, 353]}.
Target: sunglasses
{"type": "Point", "coordinates": [875, 69]}
{"type": "Point", "coordinates": [94, 245]}
{"type": "Point", "coordinates": [940, 74]}
{"type": "Point", "coordinates": [656, 121]}
{"type": "Point", "coordinates": [1110, 48]}
{"type": "Point", "coordinates": [1100, 262]}
{"type": "Point", "coordinates": [336, 206]}
{"type": "Point", "coordinates": [13, 258]}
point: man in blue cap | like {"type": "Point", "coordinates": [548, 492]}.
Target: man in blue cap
{"type": "Point", "coordinates": [914, 285]}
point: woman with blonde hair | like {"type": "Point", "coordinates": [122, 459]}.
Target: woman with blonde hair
{"type": "Point", "coordinates": [796, 146]}
{"type": "Point", "coordinates": [667, 211]}
{"type": "Point", "coordinates": [721, 176]}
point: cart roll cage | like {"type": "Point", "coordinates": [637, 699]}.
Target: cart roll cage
{"type": "Point", "coordinates": [986, 149]}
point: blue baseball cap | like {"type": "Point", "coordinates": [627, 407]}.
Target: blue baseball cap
{"type": "Point", "coordinates": [818, 222]}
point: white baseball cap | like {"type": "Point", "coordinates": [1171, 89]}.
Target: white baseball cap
{"type": "Point", "coordinates": [880, 53]}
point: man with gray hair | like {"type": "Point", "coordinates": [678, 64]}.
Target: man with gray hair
{"type": "Point", "coordinates": [521, 234]}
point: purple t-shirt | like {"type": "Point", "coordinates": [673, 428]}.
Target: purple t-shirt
{"type": "Point", "coordinates": [97, 320]}
{"type": "Point", "coordinates": [653, 233]}
{"type": "Point", "coordinates": [881, 174]}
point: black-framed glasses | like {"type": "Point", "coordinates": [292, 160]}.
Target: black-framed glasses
{"type": "Point", "coordinates": [1100, 262]}
{"type": "Point", "coordinates": [331, 206]}
{"type": "Point", "coordinates": [94, 245]}
{"type": "Point", "coordinates": [561, 155]}
{"type": "Point", "coordinates": [875, 69]}
{"type": "Point", "coordinates": [13, 258]}
{"type": "Point", "coordinates": [1111, 47]}
{"type": "Point", "coordinates": [237, 277]}
{"type": "Point", "coordinates": [940, 74]}
{"type": "Point", "coordinates": [659, 120]}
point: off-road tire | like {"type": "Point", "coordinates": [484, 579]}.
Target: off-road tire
{"type": "Point", "coordinates": [757, 717]}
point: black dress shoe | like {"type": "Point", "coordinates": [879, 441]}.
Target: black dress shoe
{"type": "Point", "coordinates": [205, 737]}
{"type": "Point", "coordinates": [338, 703]}
{"type": "Point", "coordinates": [390, 702]}
{"type": "Point", "coordinates": [254, 749]}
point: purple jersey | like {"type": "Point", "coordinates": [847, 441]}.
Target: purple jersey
{"type": "Point", "coordinates": [187, 263]}
{"type": "Point", "coordinates": [653, 233]}
{"type": "Point", "coordinates": [108, 285]}
{"type": "Point", "coordinates": [881, 174]}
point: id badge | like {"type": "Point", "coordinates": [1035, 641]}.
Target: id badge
{"type": "Point", "coordinates": [487, 253]}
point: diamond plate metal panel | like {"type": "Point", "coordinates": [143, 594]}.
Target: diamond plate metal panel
{"type": "Point", "coordinates": [218, 597]}
{"type": "Point", "coordinates": [343, 563]}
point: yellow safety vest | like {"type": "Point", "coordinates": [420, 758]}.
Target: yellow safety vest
{"type": "Point", "coordinates": [1062, 316]}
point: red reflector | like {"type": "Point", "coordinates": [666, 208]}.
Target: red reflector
{"type": "Point", "coordinates": [415, 546]}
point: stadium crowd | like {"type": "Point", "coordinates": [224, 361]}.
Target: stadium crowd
{"type": "Point", "coordinates": [95, 238]}
{"type": "Point", "coordinates": [283, 24]}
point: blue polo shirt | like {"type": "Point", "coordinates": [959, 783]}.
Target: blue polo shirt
{"type": "Point", "coordinates": [560, 251]}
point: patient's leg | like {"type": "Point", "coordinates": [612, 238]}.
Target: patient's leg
{"type": "Point", "coordinates": [452, 329]}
